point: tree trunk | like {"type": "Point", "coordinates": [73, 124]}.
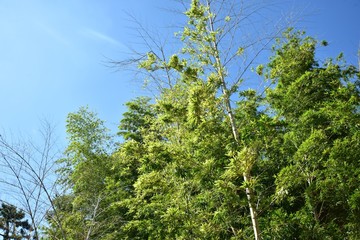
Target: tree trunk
{"type": "Point", "coordinates": [226, 94]}
{"type": "Point", "coordinates": [253, 212]}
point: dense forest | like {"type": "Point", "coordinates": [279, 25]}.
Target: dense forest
{"type": "Point", "coordinates": [207, 158]}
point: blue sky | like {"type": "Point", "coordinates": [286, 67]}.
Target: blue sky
{"type": "Point", "coordinates": [53, 53]}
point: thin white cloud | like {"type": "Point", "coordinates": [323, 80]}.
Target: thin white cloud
{"type": "Point", "coordinates": [102, 37]}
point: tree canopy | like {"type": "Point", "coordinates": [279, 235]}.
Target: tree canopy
{"type": "Point", "coordinates": [209, 159]}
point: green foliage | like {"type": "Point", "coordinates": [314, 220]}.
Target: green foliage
{"type": "Point", "coordinates": [194, 161]}
{"type": "Point", "coordinates": [319, 105]}
{"type": "Point", "coordinates": [150, 63]}
{"type": "Point", "coordinates": [136, 120]}
{"type": "Point", "coordinates": [82, 172]}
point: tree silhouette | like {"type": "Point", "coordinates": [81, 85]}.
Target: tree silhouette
{"type": "Point", "coordinates": [12, 224]}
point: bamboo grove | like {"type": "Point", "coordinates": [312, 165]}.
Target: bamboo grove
{"type": "Point", "coordinates": [209, 159]}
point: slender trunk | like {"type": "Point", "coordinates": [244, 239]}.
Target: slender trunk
{"type": "Point", "coordinates": [7, 230]}
{"type": "Point", "coordinates": [253, 212]}
{"type": "Point", "coordinates": [247, 175]}
{"type": "Point", "coordinates": [226, 94]}
{"type": "Point", "coordinates": [94, 215]}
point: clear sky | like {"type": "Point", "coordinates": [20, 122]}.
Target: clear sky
{"type": "Point", "coordinates": [53, 53]}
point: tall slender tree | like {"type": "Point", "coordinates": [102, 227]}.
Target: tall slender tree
{"type": "Point", "coordinates": [82, 174]}
{"type": "Point", "coordinates": [210, 49]}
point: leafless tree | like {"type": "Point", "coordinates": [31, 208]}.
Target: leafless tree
{"type": "Point", "coordinates": [28, 177]}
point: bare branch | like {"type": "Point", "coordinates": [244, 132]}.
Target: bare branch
{"type": "Point", "coordinates": [30, 174]}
